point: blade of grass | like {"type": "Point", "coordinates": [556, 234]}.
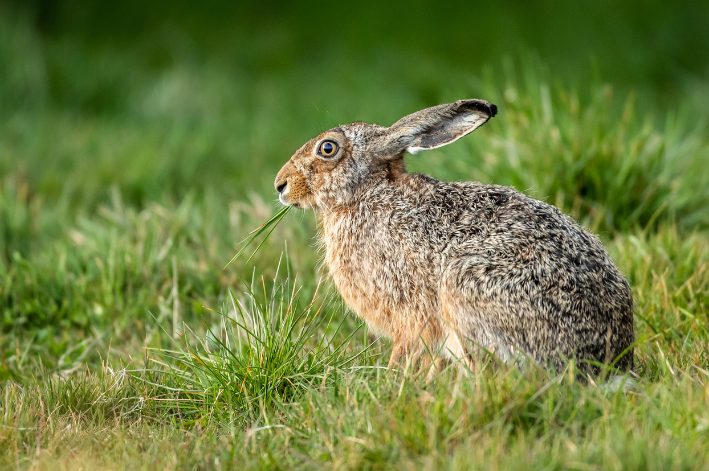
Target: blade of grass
{"type": "Point", "coordinates": [272, 223]}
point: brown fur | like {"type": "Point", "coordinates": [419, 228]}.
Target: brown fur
{"type": "Point", "coordinates": [457, 265]}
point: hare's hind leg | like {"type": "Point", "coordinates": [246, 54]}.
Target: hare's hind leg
{"type": "Point", "coordinates": [469, 337]}
{"type": "Point", "coordinates": [478, 310]}
{"type": "Point", "coordinates": [455, 346]}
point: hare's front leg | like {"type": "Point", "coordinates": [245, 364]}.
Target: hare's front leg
{"type": "Point", "coordinates": [403, 352]}
{"type": "Point", "coordinates": [419, 357]}
{"type": "Point", "coordinates": [416, 342]}
{"type": "Point", "coordinates": [398, 352]}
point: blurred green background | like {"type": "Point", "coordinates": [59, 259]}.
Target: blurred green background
{"type": "Point", "coordinates": [139, 140]}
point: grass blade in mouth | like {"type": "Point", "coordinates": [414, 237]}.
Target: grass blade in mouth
{"type": "Point", "coordinates": [269, 226]}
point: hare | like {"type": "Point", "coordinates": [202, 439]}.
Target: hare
{"type": "Point", "coordinates": [461, 267]}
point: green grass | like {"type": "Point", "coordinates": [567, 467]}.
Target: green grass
{"type": "Point", "coordinates": [138, 148]}
{"type": "Point", "coordinates": [267, 351]}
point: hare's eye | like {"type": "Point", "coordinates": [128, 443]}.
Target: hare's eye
{"type": "Point", "coordinates": [327, 148]}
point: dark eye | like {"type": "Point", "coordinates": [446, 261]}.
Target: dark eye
{"type": "Point", "coordinates": [328, 148]}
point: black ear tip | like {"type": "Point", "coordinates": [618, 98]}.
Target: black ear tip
{"type": "Point", "coordinates": [493, 110]}
{"type": "Point", "coordinates": [480, 105]}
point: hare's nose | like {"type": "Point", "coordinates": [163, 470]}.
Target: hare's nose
{"type": "Point", "coordinates": [281, 186]}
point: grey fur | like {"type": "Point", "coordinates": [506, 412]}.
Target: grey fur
{"type": "Point", "coordinates": [418, 258]}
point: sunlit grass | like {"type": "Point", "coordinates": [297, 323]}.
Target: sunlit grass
{"type": "Point", "coordinates": [276, 379]}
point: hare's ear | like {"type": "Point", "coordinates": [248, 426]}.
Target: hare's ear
{"type": "Point", "coordinates": [437, 126]}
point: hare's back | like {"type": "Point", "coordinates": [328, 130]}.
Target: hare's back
{"type": "Point", "coordinates": [533, 243]}
{"type": "Point", "coordinates": [515, 229]}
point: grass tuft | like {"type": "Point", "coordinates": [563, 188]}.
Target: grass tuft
{"type": "Point", "coordinates": [266, 350]}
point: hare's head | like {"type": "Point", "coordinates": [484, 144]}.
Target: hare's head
{"type": "Point", "coordinates": [329, 169]}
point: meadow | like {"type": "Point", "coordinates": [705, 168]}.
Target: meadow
{"type": "Point", "coordinates": [138, 149]}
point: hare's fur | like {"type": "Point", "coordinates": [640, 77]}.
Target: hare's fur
{"type": "Point", "coordinates": [457, 265]}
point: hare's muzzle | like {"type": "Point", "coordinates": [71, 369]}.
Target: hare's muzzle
{"type": "Point", "coordinates": [281, 184]}
{"type": "Point", "coordinates": [284, 183]}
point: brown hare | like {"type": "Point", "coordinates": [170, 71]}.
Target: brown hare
{"type": "Point", "coordinates": [463, 267]}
